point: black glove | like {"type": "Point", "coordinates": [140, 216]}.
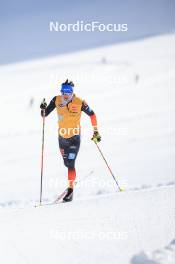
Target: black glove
{"type": "Point", "coordinates": [43, 105]}
{"type": "Point", "coordinates": [96, 137]}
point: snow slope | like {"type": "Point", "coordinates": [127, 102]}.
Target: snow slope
{"type": "Point", "coordinates": [108, 229]}
{"type": "Point", "coordinates": [136, 121]}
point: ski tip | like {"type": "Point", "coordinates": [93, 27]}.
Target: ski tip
{"type": "Point", "coordinates": [122, 190]}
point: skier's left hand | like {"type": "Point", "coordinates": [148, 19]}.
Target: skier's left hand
{"type": "Point", "coordinates": [96, 137]}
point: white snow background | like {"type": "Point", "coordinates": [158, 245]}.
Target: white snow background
{"type": "Point", "coordinates": [137, 125]}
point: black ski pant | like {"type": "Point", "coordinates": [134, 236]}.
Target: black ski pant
{"type": "Point", "coordinates": [69, 148]}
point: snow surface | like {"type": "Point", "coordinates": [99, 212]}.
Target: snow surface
{"type": "Point", "coordinates": [136, 121]}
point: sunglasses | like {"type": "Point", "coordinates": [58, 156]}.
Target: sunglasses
{"type": "Point", "coordinates": [68, 94]}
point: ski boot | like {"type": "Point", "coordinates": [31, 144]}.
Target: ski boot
{"type": "Point", "coordinates": [69, 195]}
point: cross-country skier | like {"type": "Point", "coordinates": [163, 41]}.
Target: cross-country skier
{"type": "Point", "coordinates": [69, 108]}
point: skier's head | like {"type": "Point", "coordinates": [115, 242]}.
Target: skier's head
{"type": "Point", "coordinates": [67, 89]}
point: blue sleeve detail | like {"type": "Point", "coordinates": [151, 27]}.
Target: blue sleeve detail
{"type": "Point", "coordinates": [86, 109]}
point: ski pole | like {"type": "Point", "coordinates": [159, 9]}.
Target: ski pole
{"type": "Point", "coordinates": [120, 189]}
{"type": "Point", "coordinates": [42, 156]}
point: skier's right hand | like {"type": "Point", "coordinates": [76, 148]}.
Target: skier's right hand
{"type": "Point", "coordinates": [43, 105]}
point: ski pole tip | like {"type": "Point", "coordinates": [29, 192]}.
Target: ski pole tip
{"type": "Point", "coordinates": [122, 190]}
